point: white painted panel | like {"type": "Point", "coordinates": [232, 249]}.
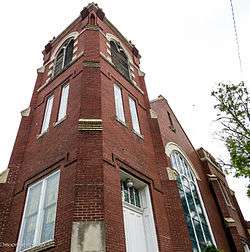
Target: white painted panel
{"type": "Point", "coordinates": [134, 231]}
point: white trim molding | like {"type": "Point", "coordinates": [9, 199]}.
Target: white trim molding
{"type": "Point", "coordinates": [171, 146]}
{"type": "Point", "coordinates": [111, 37]}
{"type": "Point", "coordinates": [74, 35]}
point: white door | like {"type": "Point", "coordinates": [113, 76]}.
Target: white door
{"type": "Point", "coordinates": [134, 230]}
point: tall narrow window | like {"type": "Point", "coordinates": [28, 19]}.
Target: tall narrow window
{"type": "Point", "coordinates": [63, 103]}
{"type": "Point", "coordinates": [119, 104]}
{"type": "Point", "coordinates": [120, 59]}
{"type": "Point", "coordinates": [38, 221]}
{"type": "Point", "coordinates": [134, 116]}
{"type": "Point", "coordinates": [194, 212]}
{"type": "Point", "coordinates": [171, 126]}
{"type": "Point", "coordinates": [47, 114]}
{"type": "Point", "coordinates": [64, 56]}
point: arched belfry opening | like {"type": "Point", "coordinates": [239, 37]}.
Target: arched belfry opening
{"type": "Point", "coordinates": [92, 19]}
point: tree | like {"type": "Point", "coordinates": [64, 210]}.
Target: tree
{"type": "Point", "coordinates": [211, 248]}
{"type": "Point", "coordinates": [233, 102]}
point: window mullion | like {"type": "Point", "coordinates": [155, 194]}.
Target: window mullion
{"type": "Point", "coordinates": [196, 237]}
{"type": "Point", "coordinates": [129, 201]}
{"type": "Point", "coordinates": [40, 215]}
{"type": "Point", "coordinates": [203, 233]}
{"type": "Point", "coordinates": [64, 56]}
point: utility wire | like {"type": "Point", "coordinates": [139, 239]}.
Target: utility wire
{"type": "Point", "coordinates": [236, 35]}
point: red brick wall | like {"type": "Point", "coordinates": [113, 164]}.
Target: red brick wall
{"type": "Point", "coordinates": [90, 162]}
{"type": "Point", "coordinates": [161, 107]}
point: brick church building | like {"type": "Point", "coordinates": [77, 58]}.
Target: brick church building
{"type": "Point", "coordinates": [98, 167]}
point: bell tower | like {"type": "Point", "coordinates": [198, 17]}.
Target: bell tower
{"type": "Point", "coordinates": [82, 173]}
{"type": "Point", "coordinates": [98, 167]}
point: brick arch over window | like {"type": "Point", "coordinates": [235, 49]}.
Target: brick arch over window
{"type": "Point", "coordinates": [200, 232]}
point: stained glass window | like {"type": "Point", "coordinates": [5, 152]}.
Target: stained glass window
{"type": "Point", "coordinates": [197, 223]}
{"type": "Point", "coordinates": [131, 195]}
{"type": "Point", "coordinates": [38, 222]}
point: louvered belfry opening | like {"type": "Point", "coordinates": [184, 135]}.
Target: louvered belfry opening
{"type": "Point", "coordinates": [120, 59]}
{"type": "Point", "coordinates": [64, 56]}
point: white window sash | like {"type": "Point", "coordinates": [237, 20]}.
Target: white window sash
{"type": "Point", "coordinates": [119, 104]}
{"type": "Point", "coordinates": [63, 103]}
{"type": "Point", "coordinates": [134, 116]}
{"type": "Point", "coordinates": [47, 114]}
{"type": "Point", "coordinates": [40, 214]}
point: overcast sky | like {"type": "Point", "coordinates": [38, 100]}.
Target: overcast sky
{"type": "Point", "coordinates": [186, 47]}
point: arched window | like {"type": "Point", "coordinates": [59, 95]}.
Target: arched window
{"type": "Point", "coordinates": [120, 59]}
{"type": "Point", "coordinates": [194, 211]}
{"type": "Point", "coordinates": [64, 56]}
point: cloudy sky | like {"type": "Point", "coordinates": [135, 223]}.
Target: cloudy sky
{"type": "Point", "coordinates": [186, 47]}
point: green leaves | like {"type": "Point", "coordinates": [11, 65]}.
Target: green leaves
{"type": "Point", "coordinates": [233, 113]}
{"type": "Point", "coordinates": [211, 248]}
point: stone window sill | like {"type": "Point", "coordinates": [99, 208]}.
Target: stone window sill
{"type": "Point", "coordinates": [60, 121]}
{"type": "Point", "coordinates": [42, 134]}
{"type": "Point", "coordinates": [41, 247]}
{"type": "Point", "coordinates": [138, 134]}
{"type": "Point", "coordinates": [121, 122]}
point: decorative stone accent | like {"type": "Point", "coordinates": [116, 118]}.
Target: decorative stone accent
{"type": "Point", "coordinates": [100, 14]}
{"type": "Point", "coordinates": [140, 73]}
{"type": "Point", "coordinates": [230, 222]}
{"type": "Point", "coordinates": [41, 69]}
{"type": "Point", "coordinates": [90, 125]}
{"type": "Point", "coordinates": [88, 236]}
{"type": "Point", "coordinates": [4, 176]}
{"type": "Point", "coordinates": [172, 175]}
{"type": "Point", "coordinates": [51, 65]}
{"type": "Point", "coordinates": [153, 113]}
{"type": "Point", "coordinates": [135, 51]}
{"type": "Point", "coordinates": [25, 112]}
{"type": "Point", "coordinates": [211, 177]}
{"type": "Point", "coordinates": [84, 13]}
{"type": "Point", "coordinates": [76, 42]}
{"type": "Point", "coordinates": [49, 72]}
{"type": "Point", "coordinates": [91, 64]}
{"type": "Point", "coordinates": [48, 47]}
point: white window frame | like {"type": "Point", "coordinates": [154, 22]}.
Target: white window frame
{"type": "Point", "coordinates": [134, 115]}
{"type": "Point", "coordinates": [40, 214]}
{"type": "Point", "coordinates": [119, 109]}
{"type": "Point", "coordinates": [47, 114]}
{"type": "Point", "coordinates": [246, 247]}
{"type": "Point", "coordinates": [62, 112]}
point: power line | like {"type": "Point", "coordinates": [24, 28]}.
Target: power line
{"type": "Point", "coordinates": [236, 35]}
